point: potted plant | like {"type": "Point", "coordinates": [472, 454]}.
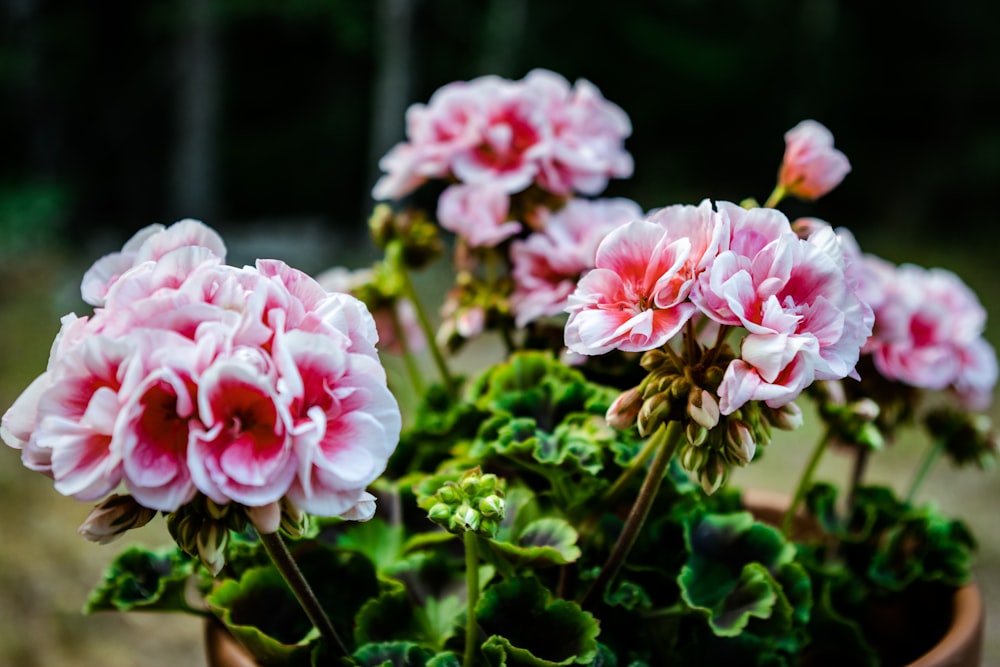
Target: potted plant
{"type": "Point", "coordinates": [567, 502]}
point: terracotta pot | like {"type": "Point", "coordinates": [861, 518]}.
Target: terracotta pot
{"type": "Point", "coordinates": [961, 645]}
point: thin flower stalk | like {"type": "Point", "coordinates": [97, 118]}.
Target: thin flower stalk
{"type": "Point", "coordinates": [634, 468]}
{"type": "Point", "coordinates": [775, 197]}
{"type": "Point", "coordinates": [412, 371]}
{"type": "Point", "coordinates": [303, 592]}
{"type": "Point", "coordinates": [667, 438]}
{"type": "Point", "coordinates": [472, 587]}
{"type": "Point", "coordinates": [425, 325]}
{"type": "Point", "coordinates": [804, 482]}
{"type": "Point", "coordinates": [933, 454]}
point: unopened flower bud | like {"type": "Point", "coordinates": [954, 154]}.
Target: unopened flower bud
{"type": "Point", "coordinates": [266, 519]}
{"type": "Point", "coordinates": [294, 522]}
{"type": "Point", "coordinates": [711, 478]}
{"type": "Point", "coordinates": [625, 409]}
{"type": "Point", "coordinates": [211, 545]}
{"type": "Point", "coordinates": [439, 513]}
{"type": "Point", "coordinates": [492, 507]}
{"type": "Point", "coordinates": [696, 434]}
{"type": "Point", "coordinates": [654, 411]}
{"type": "Point", "coordinates": [110, 519]}
{"type": "Point", "coordinates": [703, 408]}
{"type": "Point", "coordinates": [680, 386]}
{"type": "Point", "coordinates": [740, 441]}
{"type": "Point", "coordinates": [788, 417]}
{"type": "Point", "coordinates": [467, 519]}
{"type": "Point", "coordinates": [694, 458]}
{"type": "Point", "coordinates": [865, 409]}
{"type": "Point", "coordinates": [652, 359]}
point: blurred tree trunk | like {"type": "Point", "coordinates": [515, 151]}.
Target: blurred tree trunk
{"type": "Point", "coordinates": [194, 191]}
{"type": "Point", "coordinates": [393, 76]}
{"type": "Point", "coordinates": [502, 37]}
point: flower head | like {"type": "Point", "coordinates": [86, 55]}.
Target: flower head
{"type": "Point", "coordinates": [811, 166]}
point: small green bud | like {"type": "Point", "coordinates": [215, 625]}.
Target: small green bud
{"type": "Point", "coordinates": [740, 441]}
{"type": "Point", "coordinates": [492, 507]}
{"type": "Point", "coordinates": [696, 434]}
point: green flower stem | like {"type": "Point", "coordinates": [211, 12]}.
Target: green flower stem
{"type": "Point", "coordinates": [412, 371]}
{"type": "Point", "coordinates": [861, 458]}
{"type": "Point", "coordinates": [634, 468]}
{"type": "Point", "coordinates": [292, 575]}
{"type": "Point", "coordinates": [425, 325]}
{"type": "Point", "coordinates": [720, 339]}
{"type": "Point", "coordinates": [667, 438]}
{"type": "Point", "coordinates": [776, 197]}
{"type": "Point", "coordinates": [804, 482]}
{"type": "Point", "coordinates": [925, 467]}
{"type": "Point", "coordinates": [472, 586]}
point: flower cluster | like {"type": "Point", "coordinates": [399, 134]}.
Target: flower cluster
{"type": "Point", "coordinates": [736, 267]}
{"type": "Point", "coordinates": [507, 135]}
{"type": "Point", "coordinates": [929, 331]}
{"type": "Point", "coordinates": [248, 385]}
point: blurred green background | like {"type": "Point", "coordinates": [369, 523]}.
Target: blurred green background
{"type": "Point", "coordinates": [266, 120]}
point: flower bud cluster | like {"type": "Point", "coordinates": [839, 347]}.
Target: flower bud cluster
{"type": "Point", "coordinates": [418, 237]}
{"type": "Point", "coordinates": [713, 442]}
{"type": "Point", "coordinates": [967, 438]}
{"type": "Point", "coordinates": [854, 422]}
{"type": "Point", "coordinates": [475, 503]}
{"type": "Point", "coordinates": [201, 529]}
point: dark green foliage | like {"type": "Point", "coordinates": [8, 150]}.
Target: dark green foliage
{"type": "Point", "coordinates": [527, 627]}
{"type": "Point", "coordinates": [141, 579]}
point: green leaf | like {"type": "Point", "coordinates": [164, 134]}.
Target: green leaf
{"type": "Point", "coordinates": [144, 579]}
{"type": "Point", "coordinates": [548, 541]}
{"type": "Point", "coordinates": [392, 617]}
{"type": "Point", "coordinates": [260, 610]}
{"type": "Point", "coordinates": [923, 546]}
{"type": "Point", "coordinates": [527, 627]}
{"type": "Point", "coordinates": [730, 575]}
{"type": "Point", "coordinates": [380, 542]}
{"type": "Point", "coordinates": [392, 654]}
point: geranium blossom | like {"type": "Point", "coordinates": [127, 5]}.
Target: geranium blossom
{"type": "Point", "coordinates": [510, 135]}
{"type": "Point", "coordinates": [928, 332]}
{"type": "Point", "coordinates": [187, 380]}
{"type": "Point", "coordinates": [637, 297]}
{"type": "Point", "coordinates": [477, 214]}
{"type": "Point", "coordinates": [548, 264]}
{"type": "Point", "coordinates": [632, 300]}
{"type": "Point", "coordinates": [804, 321]}
{"type": "Point", "coordinates": [811, 166]}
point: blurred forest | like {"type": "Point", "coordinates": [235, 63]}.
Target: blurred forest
{"type": "Point", "coordinates": [120, 113]}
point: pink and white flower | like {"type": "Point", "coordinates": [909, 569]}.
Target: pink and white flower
{"type": "Point", "coordinates": [811, 166]}
{"type": "Point", "coordinates": [804, 320]}
{"type": "Point", "coordinates": [548, 264]}
{"type": "Point", "coordinates": [588, 135]}
{"type": "Point", "coordinates": [345, 423]}
{"type": "Point", "coordinates": [511, 134]}
{"type": "Point", "coordinates": [636, 297]}
{"type": "Point", "coordinates": [478, 214]}
{"type": "Point", "coordinates": [148, 245]}
{"type": "Point", "coordinates": [186, 379]}
{"type": "Point", "coordinates": [928, 333]}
